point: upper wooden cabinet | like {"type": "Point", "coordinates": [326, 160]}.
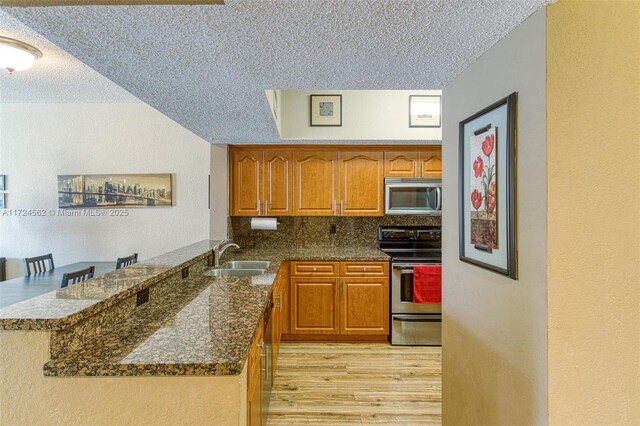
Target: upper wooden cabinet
{"type": "Point", "coordinates": [361, 184]}
{"type": "Point", "coordinates": [246, 176]}
{"type": "Point", "coordinates": [261, 183]}
{"type": "Point", "coordinates": [321, 181]}
{"type": "Point", "coordinates": [401, 164]}
{"type": "Point", "coordinates": [278, 183]}
{"type": "Point", "coordinates": [315, 182]}
{"type": "Point", "coordinates": [431, 163]}
{"type": "Point", "coordinates": [425, 163]}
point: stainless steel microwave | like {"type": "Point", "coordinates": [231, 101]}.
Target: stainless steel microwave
{"type": "Point", "coordinates": [417, 196]}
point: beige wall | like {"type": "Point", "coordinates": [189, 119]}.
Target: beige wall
{"type": "Point", "coordinates": [366, 115]}
{"type": "Point", "coordinates": [494, 328]}
{"type": "Point", "coordinates": [29, 398]}
{"type": "Point", "coordinates": [593, 139]}
{"type": "Point", "coordinates": [40, 141]}
{"type": "Point", "coordinates": [219, 196]}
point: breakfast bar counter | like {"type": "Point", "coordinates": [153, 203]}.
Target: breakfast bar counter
{"type": "Point", "coordinates": [188, 325]}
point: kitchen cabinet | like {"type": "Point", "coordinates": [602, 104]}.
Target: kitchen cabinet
{"type": "Point", "coordinates": [314, 308]}
{"type": "Point", "coordinates": [281, 282]}
{"type": "Point", "coordinates": [361, 183]}
{"type": "Point", "coordinates": [254, 378]}
{"type": "Point", "coordinates": [321, 181]}
{"type": "Point", "coordinates": [315, 182]}
{"type": "Point", "coordinates": [261, 183]}
{"type": "Point", "coordinates": [401, 164]}
{"type": "Point", "coordinates": [339, 298]}
{"type": "Point", "coordinates": [364, 305]}
{"type": "Point", "coordinates": [425, 163]}
{"type": "Point", "coordinates": [284, 298]}
{"type": "Point", "coordinates": [431, 163]}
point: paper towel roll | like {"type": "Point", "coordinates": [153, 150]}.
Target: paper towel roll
{"type": "Point", "coordinates": [265, 223]}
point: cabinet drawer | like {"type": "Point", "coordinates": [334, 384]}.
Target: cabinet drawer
{"type": "Point", "coordinates": [321, 269]}
{"type": "Point", "coordinates": [364, 269]}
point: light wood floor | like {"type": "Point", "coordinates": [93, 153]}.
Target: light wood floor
{"type": "Point", "coordinates": [356, 383]}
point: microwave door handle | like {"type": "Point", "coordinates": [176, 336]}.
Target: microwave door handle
{"type": "Point", "coordinates": [438, 198]}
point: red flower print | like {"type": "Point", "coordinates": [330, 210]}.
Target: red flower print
{"type": "Point", "coordinates": [476, 199]}
{"type": "Point", "coordinates": [487, 145]}
{"type": "Point", "coordinates": [477, 167]}
{"type": "Point", "coordinates": [492, 189]}
{"type": "Point", "coordinates": [491, 204]}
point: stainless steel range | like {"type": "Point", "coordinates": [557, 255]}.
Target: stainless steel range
{"type": "Point", "coordinates": [411, 323]}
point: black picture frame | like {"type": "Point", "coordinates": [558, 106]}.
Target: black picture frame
{"type": "Point", "coordinates": [414, 121]}
{"type": "Point", "coordinates": [502, 259]}
{"type": "Point", "coordinates": [314, 116]}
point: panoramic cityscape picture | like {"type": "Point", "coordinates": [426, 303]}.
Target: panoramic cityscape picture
{"type": "Point", "coordinates": [108, 191]}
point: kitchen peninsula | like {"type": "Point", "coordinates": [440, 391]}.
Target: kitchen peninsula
{"type": "Point", "coordinates": [160, 341]}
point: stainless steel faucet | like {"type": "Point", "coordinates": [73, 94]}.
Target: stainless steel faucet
{"type": "Point", "coordinates": [219, 249]}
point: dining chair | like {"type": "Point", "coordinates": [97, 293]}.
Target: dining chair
{"type": "Point", "coordinates": [77, 276]}
{"type": "Point", "coordinates": [126, 261]}
{"type": "Point", "coordinates": [34, 265]}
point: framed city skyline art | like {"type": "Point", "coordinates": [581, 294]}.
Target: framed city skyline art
{"type": "Point", "coordinates": [487, 185]}
{"type": "Point", "coordinates": [110, 191]}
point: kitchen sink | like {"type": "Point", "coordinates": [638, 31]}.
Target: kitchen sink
{"type": "Point", "coordinates": [234, 272]}
{"type": "Point", "coordinates": [246, 264]}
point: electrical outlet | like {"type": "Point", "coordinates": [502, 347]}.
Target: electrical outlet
{"type": "Point", "coordinates": [185, 273]}
{"type": "Point", "coordinates": [142, 297]}
{"type": "Point", "coordinates": [332, 228]}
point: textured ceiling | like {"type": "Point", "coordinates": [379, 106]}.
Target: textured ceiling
{"type": "Point", "coordinates": [57, 77]}
{"type": "Point", "coordinates": [207, 67]}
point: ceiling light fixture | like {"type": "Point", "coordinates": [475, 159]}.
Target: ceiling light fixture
{"type": "Point", "coordinates": [16, 55]}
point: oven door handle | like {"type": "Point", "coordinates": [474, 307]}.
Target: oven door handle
{"type": "Point", "coordinates": [408, 267]}
{"type": "Point", "coordinates": [420, 318]}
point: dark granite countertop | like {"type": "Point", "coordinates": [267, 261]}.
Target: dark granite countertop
{"type": "Point", "coordinates": [204, 327]}
{"type": "Point", "coordinates": [64, 307]}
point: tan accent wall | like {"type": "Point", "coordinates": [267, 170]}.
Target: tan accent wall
{"type": "Point", "coordinates": [593, 143]}
{"type": "Point", "coordinates": [495, 328]}
{"type": "Point", "coordinates": [29, 398]}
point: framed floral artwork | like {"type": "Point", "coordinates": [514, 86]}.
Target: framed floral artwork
{"type": "Point", "coordinates": [487, 188]}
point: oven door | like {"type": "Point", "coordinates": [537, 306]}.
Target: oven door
{"type": "Point", "coordinates": [402, 292]}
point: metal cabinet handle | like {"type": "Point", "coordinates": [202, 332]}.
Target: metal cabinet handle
{"type": "Point", "coordinates": [259, 208]}
{"type": "Point", "coordinates": [365, 269]}
{"type": "Point", "coordinates": [315, 269]}
{"type": "Point", "coordinates": [333, 206]}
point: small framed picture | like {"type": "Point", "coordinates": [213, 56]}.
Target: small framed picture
{"type": "Point", "coordinates": [2, 183]}
{"type": "Point", "coordinates": [326, 110]}
{"type": "Point", "coordinates": [425, 110]}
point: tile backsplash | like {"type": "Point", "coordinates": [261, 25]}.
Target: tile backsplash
{"type": "Point", "coordinates": [301, 232]}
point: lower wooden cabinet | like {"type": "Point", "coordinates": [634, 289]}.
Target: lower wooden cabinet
{"type": "Point", "coordinates": [354, 304]}
{"type": "Point", "coordinates": [314, 308]}
{"type": "Point", "coordinates": [254, 378]}
{"type": "Point", "coordinates": [364, 306]}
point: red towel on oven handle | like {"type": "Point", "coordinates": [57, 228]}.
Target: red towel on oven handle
{"type": "Point", "coordinates": [427, 284]}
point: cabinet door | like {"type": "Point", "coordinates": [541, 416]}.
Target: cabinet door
{"type": "Point", "coordinates": [431, 163]}
{"type": "Point", "coordinates": [315, 182]}
{"type": "Point", "coordinates": [278, 183]}
{"type": "Point", "coordinates": [254, 378]}
{"type": "Point", "coordinates": [361, 184]}
{"type": "Point", "coordinates": [364, 304]}
{"type": "Point", "coordinates": [246, 183]}
{"type": "Point", "coordinates": [285, 315]}
{"type": "Point", "coordinates": [401, 164]}
{"type": "Point", "coordinates": [314, 305]}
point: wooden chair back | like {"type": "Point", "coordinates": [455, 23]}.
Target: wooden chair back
{"type": "Point", "coordinates": [123, 262]}
{"type": "Point", "coordinates": [35, 265]}
{"type": "Point", "coordinates": [77, 276]}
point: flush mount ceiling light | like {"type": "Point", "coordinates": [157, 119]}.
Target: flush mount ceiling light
{"type": "Point", "coordinates": [16, 55]}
